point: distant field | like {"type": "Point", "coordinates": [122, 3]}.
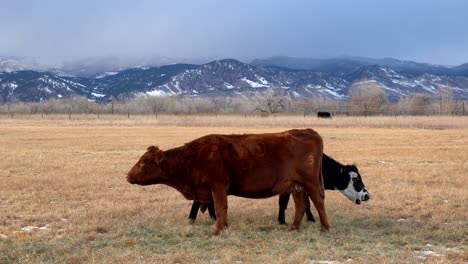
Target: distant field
{"type": "Point", "coordinates": [242, 120]}
{"type": "Point", "coordinates": [64, 197]}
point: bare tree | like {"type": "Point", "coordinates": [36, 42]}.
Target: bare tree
{"type": "Point", "coordinates": [276, 101]}
{"type": "Point", "coordinates": [421, 104]}
{"type": "Point", "coordinates": [445, 98]}
{"type": "Point", "coordinates": [367, 97]}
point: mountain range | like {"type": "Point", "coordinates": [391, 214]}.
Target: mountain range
{"type": "Point", "coordinates": [301, 78]}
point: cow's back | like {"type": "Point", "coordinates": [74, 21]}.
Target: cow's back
{"type": "Point", "coordinates": [263, 165]}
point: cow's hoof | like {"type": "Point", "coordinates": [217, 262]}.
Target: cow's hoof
{"type": "Point", "coordinates": [218, 229]}
{"type": "Point", "coordinates": [294, 228]}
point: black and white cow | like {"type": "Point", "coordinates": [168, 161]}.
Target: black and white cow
{"type": "Point", "coordinates": [336, 176]}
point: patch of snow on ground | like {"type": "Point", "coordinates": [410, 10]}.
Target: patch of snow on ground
{"type": "Point", "coordinates": [170, 90]}
{"type": "Point", "coordinates": [13, 85]}
{"type": "Point", "coordinates": [156, 93]}
{"type": "Point", "coordinates": [176, 85]}
{"type": "Point", "coordinates": [404, 83]}
{"type": "Point", "coordinates": [391, 89]}
{"type": "Point", "coordinates": [296, 94]}
{"type": "Point", "coordinates": [421, 83]}
{"type": "Point", "coordinates": [98, 95]}
{"type": "Point", "coordinates": [32, 228]}
{"type": "Point", "coordinates": [47, 90]}
{"type": "Point", "coordinates": [367, 82]}
{"type": "Point", "coordinates": [228, 85]}
{"type": "Point", "coordinates": [262, 80]}
{"type": "Point", "coordinates": [427, 252]}
{"type": "Point", "coordinates": [335, 94]}
{"type": "Point", "coordinates": [329, 86]}
{"type": "Point", "coordinates": [314, 86]}
{"type": "Point", "coordinates": [253, 84]}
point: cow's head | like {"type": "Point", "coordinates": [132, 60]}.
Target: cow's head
{"type": "Point", "coordinates": [351, 185]}
{"type": "Point", "coordinates": [148, 168]}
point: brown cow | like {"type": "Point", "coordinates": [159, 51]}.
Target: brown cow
{"type": "Point", "coordinates": [251, 165]}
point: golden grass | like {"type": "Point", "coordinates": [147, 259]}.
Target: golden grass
{"type": "Point", "coordinates": [69, 176]}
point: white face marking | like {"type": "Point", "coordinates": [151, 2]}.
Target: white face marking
{"type": "Point", "coordinates": [351, 193]}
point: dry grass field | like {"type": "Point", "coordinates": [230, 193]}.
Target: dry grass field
{"type": "Point", "coordinates": [64, 197]}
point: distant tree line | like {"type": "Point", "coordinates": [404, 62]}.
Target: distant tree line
{"type": "Point", "coordinates": [367, 98]}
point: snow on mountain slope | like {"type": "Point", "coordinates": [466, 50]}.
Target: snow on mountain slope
{"type": "Point", "coordinates": [226, 77]}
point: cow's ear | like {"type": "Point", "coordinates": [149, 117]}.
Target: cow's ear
{"type": "Point", "coordinates": [158, 156]}
{"type": "Point", "coordinates": [152, 149]}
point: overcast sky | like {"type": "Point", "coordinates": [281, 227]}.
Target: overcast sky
{"type": "Point", "coordinates": [434, 31]}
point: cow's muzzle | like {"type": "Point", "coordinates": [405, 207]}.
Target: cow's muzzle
{"type": "Point", "coordinates": [366, 197]}
{"type": "Point", "coordinates": [131, 180]}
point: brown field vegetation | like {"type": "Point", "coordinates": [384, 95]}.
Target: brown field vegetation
{"type": "Point", "coordinates": [64, 198]}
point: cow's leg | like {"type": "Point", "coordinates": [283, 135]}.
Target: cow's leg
{"type": "Point", "coordinates": [211, 210]}
{"type": "Point", "coordinates": [299, 196]}
{"type": "Point", "coordinates": [310, 216]}
{"type": "Point", "coordinates": [317, 195]}
{"type": "Point", "coordinates": [220, 205]}
{"type": "Point", "coordinates": [283, 204]}
{"type": "Point", "coordinates": [194, 211]}
{"type": "Point", "coordinates": [316, 190]}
